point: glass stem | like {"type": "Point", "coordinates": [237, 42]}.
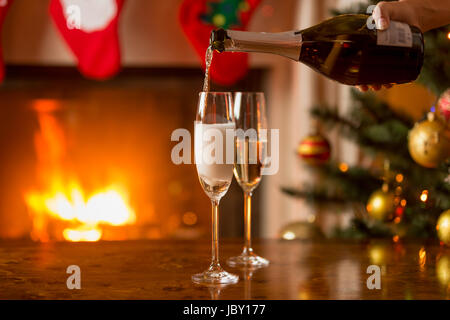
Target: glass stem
{"type": "Point", "coordinates": [248, 222]}
{"type": "Point", "coordinates": [215, 234]}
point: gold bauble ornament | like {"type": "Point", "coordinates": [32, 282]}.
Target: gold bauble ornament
{"type": "Point", "coordinates": [428, 142]}
{"type": "Point", "coordinates": [443, 227]}
{"type": "Point", "coordinates": [301, 231]}
{"type": "Point", "coordinates": [443, 269]}
{"type": "Point", "coordinates": [381, 204]}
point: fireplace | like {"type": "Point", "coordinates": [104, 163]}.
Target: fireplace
{"type": "Point", "coordinates": [88, 161]}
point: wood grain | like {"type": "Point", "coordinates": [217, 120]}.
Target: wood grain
{"type": "Point", "coordinates": [161, 269]}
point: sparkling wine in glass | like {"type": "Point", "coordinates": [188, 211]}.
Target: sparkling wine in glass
{"type": "Point", "coordinates": [250, 148]}
{"type": "Point", "coordinates": [214, 122]}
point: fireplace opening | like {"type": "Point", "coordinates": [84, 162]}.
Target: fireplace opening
{"type": "Point", "coordinates": [87, 161]}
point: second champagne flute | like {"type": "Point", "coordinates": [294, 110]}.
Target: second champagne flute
{"type": "Point", "coordinates": [250, 148]}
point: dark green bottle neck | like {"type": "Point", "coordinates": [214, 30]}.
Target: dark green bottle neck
{"type": "Point", "coordinates": [287, 44]}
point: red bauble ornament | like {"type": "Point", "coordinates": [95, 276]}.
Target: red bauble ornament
{"type": "Point", "coordinates": [314, 149]}
{"type": "Point", "coordinates": [443, 107]}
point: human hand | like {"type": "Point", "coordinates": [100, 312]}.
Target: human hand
{"type": "Point", "coordinates": [406, 11]}
{"type": "Point", "coordinates": [384, 12]}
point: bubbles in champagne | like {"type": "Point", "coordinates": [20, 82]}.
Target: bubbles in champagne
{"type": "Point", "coordinates": [208, 60]}
{"type": "Point", "coordinates": [248, 162]}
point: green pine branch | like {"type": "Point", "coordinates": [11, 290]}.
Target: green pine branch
{"type": "Point", "coordinates": [362, 229]}
{"type": "Point", "coordinates": [315, 196]}
{"type": "Point", "coordinates": [435, 74]}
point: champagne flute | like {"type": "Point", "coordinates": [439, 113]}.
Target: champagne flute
{"type": "Point", "coordinates": [213, 123]}
{"type": "Point", "coordinates": [250, 146]}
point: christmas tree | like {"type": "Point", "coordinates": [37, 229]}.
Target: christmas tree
{"type": "Point", "coordinates": [394, 196]}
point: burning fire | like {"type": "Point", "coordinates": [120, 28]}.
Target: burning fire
{"type": "Point", "coordinates": [64, 199]}
{"type": "Point", "coordinates": [108, 206]}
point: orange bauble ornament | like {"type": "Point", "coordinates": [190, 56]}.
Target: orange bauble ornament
{"type": "Point", "coordinates": [314, 149]}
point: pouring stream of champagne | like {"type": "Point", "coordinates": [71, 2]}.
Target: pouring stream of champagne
{"type": "Point", "coordinates": [208, 60]}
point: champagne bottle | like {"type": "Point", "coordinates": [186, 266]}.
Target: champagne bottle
{"type": "Point", "coordinates": [345, 48]}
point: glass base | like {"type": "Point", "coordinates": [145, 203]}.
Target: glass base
{"type": "Point", "coordinates": [215, 275]}
{"type": "Point", "coordinates": [247, 260]}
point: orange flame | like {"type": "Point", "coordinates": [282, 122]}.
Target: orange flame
{"type": "Point", "coordinates": [63, 198]}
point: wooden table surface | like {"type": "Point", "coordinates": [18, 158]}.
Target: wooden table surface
{"type": "Point", "coordinates": [162, 270]}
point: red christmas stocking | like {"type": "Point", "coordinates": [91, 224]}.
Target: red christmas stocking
{"type": "Point", "coordinates": [199, 17]}
{"type": "Point", "coordinates": [90, 30]}
{"type": "Point", "coordinates": [4, 6]}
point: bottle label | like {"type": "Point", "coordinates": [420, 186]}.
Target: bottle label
{"type": "Point", "coordinates": [398, 35]}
